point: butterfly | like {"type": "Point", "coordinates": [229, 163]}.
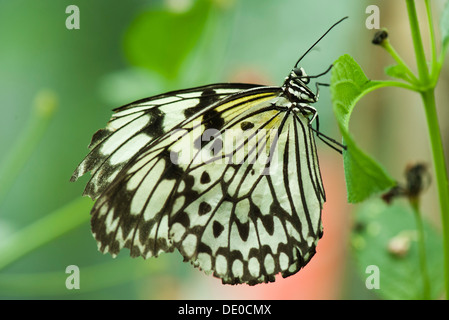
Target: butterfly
{"type": "Point", "coordinates": [227, 174]}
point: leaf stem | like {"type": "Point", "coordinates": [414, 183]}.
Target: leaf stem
{"type": "Point", "coordinates": [387, 46]}
{"type": "Point", "coordinates": [398, 84]}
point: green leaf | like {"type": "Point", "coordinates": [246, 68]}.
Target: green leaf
{"type": "Point", "coordinates": [161, 40]}
{"type": "Point", "coordinates": [364, 176]}
{"type": "Point", "coordinates": [444, 27]}
{"type": "Point", "coordinates": [397, 71]}
{"type": "Point", "coordinates": [386, 237]}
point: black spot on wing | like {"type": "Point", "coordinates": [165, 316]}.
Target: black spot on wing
{"type": "Point", "coordinates": [155, 127]}
{"type": "Point", "coordinates": [205, 178]}
{"type": "Point", "coordinates": [212, 120]}
{"type": "Point", "coordinates": [246, 125]}
{"type": "Point", "coordinates": [208, 97]}
{"type": "Point", "coordinates": [243, 229]}
{"type": "Point", "coordinates": [204, 208]}
{"type": "Point", "coordinates": [217, 228]}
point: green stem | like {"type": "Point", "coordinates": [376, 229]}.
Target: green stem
{"type": "Point", "coordinates": [398, 84]}
{"type": "Point", "coordinates": [417, 42]}
{"type": "Point", "coordinates": [433, 45]}
{"type": "Point", "coordinates": [422, 249]}
{"type": "Point", "coordinates": [428, 98]}
{"type": "Point", "coordinates": [44, 108]}
{"type": "Point", "coordinates": [44, 230]}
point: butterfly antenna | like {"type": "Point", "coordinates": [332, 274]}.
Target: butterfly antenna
{"type": "Point", "coordinates": [319, 40]}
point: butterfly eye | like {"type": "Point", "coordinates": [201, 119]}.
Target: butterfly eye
{"type": "Point", "coordinates": [301, 75]}
{"type": "Point", "coordinates": [298, 71]}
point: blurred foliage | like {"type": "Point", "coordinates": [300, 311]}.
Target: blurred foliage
{"type": "Point", "coordinates": [386, 236]}
{"type": "Point", "coordinates": [154, 50]}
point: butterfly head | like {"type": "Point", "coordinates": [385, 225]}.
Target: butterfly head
{"type": "Point", "coordinates": [296, 86]}
{"type": "Point", "coordinates": [299, 74]}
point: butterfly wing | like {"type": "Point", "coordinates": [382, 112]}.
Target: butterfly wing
{"type": "Point", "coordinates": [233, 184]}
{"type": "Point", "coordinates": [138, 124]}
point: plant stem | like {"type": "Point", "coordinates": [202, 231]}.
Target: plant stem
{"type": "Point", "coordinates": [421, 248]}
{"type": "Point", "coordinates": [417, 42]}
{"type": "Point", "coordinates": [44, 230]}
{"type": "Point", "coordinates": [433, 46]}
{"type": "Point", "coordinates": [428, 98]}
{"type": "Point", "coordinates": [43, 110]}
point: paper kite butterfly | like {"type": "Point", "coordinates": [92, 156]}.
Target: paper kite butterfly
{"type": "Point", "coordinates": [227, 174]}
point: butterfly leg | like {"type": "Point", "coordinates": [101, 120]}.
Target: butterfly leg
{"type": "Point", "coordinates": [318, 84]}
{"type": "Point", "coordinates": [327, 140]}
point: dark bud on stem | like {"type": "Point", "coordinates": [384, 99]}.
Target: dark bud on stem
{"type": "Point", "coordinates": [380, 37]}
{"type": "Point", "coordinates": [417, 180]}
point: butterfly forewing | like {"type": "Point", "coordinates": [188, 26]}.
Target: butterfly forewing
{"type": "Point", "coordinates": [138, 124]}
{"type": "Point", "coordinates": [226, 174]}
